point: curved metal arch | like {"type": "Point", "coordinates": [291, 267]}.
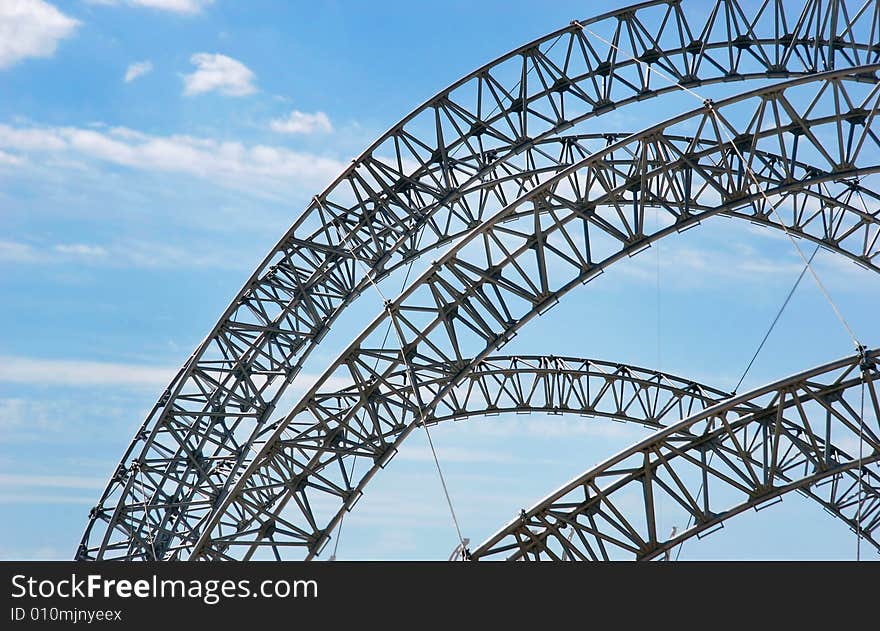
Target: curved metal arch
{"type": "Point", "coordinates": [783, 443]}
{"type": "Point", "coordinates": [572, 386]}
{"type": "Point", "coordinates": [554, 385]}
{"type": "Point", "coordinates": [230, 385]}
{"type": "Point", "coordinates": [482, 292]}
{"type": "Point", "coordinates": [340, 401]}
{"type": "Point", "coordinates": [829, 233]}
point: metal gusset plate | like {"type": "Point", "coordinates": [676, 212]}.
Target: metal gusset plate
{"type": "Point", "coordinates": [715, 465]}
{"type": "Point", "coordinates": [425, 182]}
{"type": "Point", "coordinates": [522, 261]}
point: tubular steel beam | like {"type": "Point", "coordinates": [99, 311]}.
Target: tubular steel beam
{"type": "Point", "coordinates": [523, 260]}
{"type": "Point", "coordinates": [738, 454]}
{"type": "Point", "coordinates": [571, 386]}
{"type": "Point", "coordinates": [425, 182]}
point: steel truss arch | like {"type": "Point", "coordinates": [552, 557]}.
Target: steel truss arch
{"type": "Point", "coordinates": [555, 385]}
{"type": "Point", "coordinates": [574, 386]}
{"type": "Point", "coordinates": [380, 208]}
{"type": "Point", "coordinates": [482, 291]}
{"type": "Point", "coordinates": [782, 444]}
{"type": "Point", "coordinates": [567, 148]}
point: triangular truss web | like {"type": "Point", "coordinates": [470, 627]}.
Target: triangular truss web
{"type": "Point", "coordinates": [511, 172]}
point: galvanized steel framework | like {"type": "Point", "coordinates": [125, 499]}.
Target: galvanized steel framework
{"type": "Point", "coordinates": [518, 264]}
{"type": "Point", "coordinates": [714, 465]}
{"type": "Point", "coordinates": [597, 389]}
{"type": "Point", "coordinates": [482, 165]}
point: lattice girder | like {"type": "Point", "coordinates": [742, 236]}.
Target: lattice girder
{"type": "Point", "coordinates": [560, 235]}
{"type": "Point", "coordinates": [570, 386]}
{"type": "Point", "coordinates": [422, 182]}
{"type": "Point", "coordinates": [714, 465]}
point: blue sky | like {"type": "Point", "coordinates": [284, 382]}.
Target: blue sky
{"type": "Point", "coordinates": [152, 151]}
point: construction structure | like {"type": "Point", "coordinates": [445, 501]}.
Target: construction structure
{"type": "Point", "coordinates": [499, 176]}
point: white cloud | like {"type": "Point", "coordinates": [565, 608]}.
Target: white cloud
{"type": "Point", "coordinates": [137, 254]}
{"type": "Point", "coordinates": [43, 500]}
{"type": "Point", "coordinates": [216, 72]}
{"type": "Point", "coordinates": [87, 373]}
{"type": "Point", "coordinates": [178, 6]}
{"type": "Point", "coordinates": [302, 123]}
{"type": "Point", "coordinates": [228, 163]}
{"type": "Point", "coordinates": [10, 160]}
{"type": "Point", "coordinates": [31, 28]}
{"type": "Point", "coordinates": [18, 252]}
{"type": "Point", "coordinates": [22, 419]}
{"type": "Point", "coordinates": [138, 69]}
{"type": "Point", "coordinates": [174, 6]}
{"type": "Point", "coordinates": [30, 139]}
{"type": "Point", "coordinates": [71, 419]}
{"type": "Point", "coordinates": [686, 266]}
{"type": "Point", "coordinates": [14, 252]}
{"type": "Point", "coordinates": [71, 372]}
{"type": "Point", "coordinates": [689, 267]}
{"type": "Point", "coordinates": [56, 481]}
{"type": "Point", "coordinates": [81, 249]}
{"type": "Point", "coordinates": [158, 255]}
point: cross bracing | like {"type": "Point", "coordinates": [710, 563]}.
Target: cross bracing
{"type": "Point", "coordinates": [594, 389]}
{"type": "Point", "coordinates": [524, 260]}
{"type": "Point", "coordinates": [714, 465]}
{"type": "Point", "coordinates": [447, 169]}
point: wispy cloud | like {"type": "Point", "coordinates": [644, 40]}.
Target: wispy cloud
{"type": "Point", "coordinates": [218, 73]}
{"type": "Point", "coordinates": [126, 254]}
{"type": "Point", "coordinates": [174, 6]}
{"type": "Point", "coordinates": [138, 69]}
{"type": "Point", "coordinates": [460, 455]}
{"type": "Point", "coordinates": [302, 123]}
{"type": "Point", "coordinates": [54, 481]}
{"type": "Point", "coordinates": [10, 160]}
{"type": "Point", "coordinates": [81, 249]}
{"type": "Point", "coordinates": [72, 372]}
{"type": "Point", "coordinates": [31, 28]}
{"type": "Point", "coordinates": [690, 265]}
{"type": "Point", "coordinates": [15, 252]}
{"type": "Point", "coordinates": [30, 498]}
{"type": "Point", "coordinates": [227, 163]}
{"type": "Point", "coordinates": [68, 419]}
{"type": "Point", "coordinates": [155, 255]}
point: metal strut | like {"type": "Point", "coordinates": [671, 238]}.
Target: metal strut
{"type": "Point", "coordinates": [236, 376]}
{"type": "Point", "coordinates": [388, 306]}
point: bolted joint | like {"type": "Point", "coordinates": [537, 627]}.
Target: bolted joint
{"type": "Point", "coordinates": [120, 474]}
{"type": "Point", "coordinates": [82, 553]}
{"type": "Point", "coordinates": [267, 529]}
{"type": "Point", "coordinates": [865, 363]}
